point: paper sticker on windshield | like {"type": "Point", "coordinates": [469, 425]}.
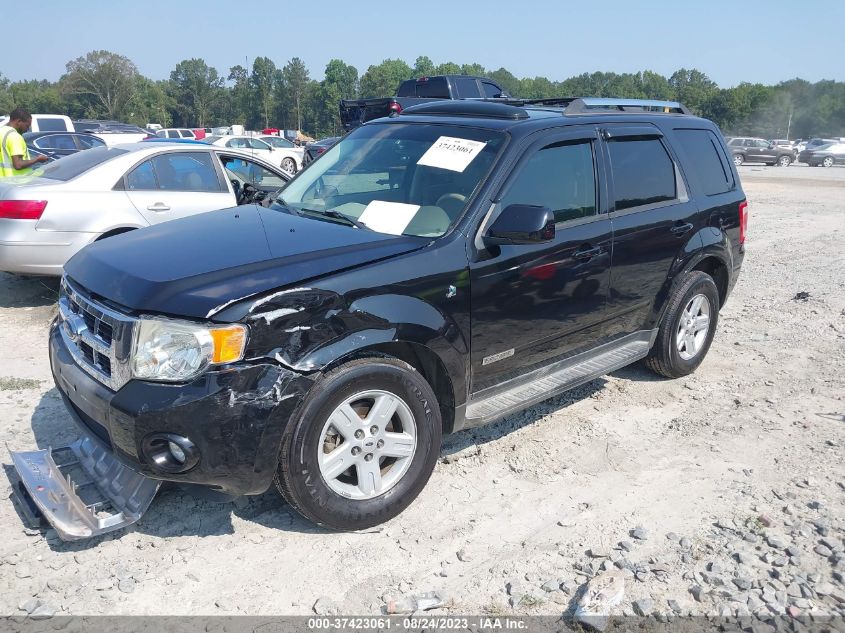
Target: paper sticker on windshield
{"type": "Point", "coordinates": [388, 217]}
{"type": "Point", "coordinates": [451, 153]}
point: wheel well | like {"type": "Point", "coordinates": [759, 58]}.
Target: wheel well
{"type": "Point", "coordinates": [113, 232]}
{"type": "Point", "coordinates": [714, 267]}
{"type": "Point", "coordinates": [426, 363]}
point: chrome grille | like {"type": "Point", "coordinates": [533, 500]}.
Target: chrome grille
{"type": "Point", "coordinates": [99, 338]}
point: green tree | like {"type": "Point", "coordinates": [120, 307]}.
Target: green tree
{"type": "Point", "coordinates": [340, 82]}
{"type": "Point", "coordinates": [473, 69]}
{"type": "Point", "coordinates": [447, 68]}
{"type": "Point", "coordinates": [239, 100]}
{"type": "Point", "coordinates": [107, 78]}
{"type": "Point", "coordinates": [506, 80]}
{"type": "Point", "coordinates": [263, 81]}
{"type": "Point", "coordinates": [197, 90]}
{"type": "Point", "coordinates": [383, 79]}
{"type": "Point", "coordinates": [6, 101]}
{"type": "Point", "coordinates": [39, 97]}
{"type": "Point", "coordinates": [151, 103]}
{"type": "Point", "coordinates": [292, 84]}
{"type": "Point", "coordinates": [692, 88]}
{"type": "Point", "coordinates": [423, 67]}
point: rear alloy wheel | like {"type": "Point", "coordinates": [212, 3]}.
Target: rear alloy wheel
{"type": "Point", "coordinates": [784, 161]}
{"type": "Point", "coordinates": [738, 159]}
{"type": "Point", "coordinates": [289, 165]}
{"type": "Point", "coordinates": [828, 161]}
{"type": "Point", "coordinates": [362, 446]}
{"type": "Point", "coordinates": [687, 328]}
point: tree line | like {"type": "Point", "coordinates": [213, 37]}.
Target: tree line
{"type": "Point", "coordinates": [105, 85]}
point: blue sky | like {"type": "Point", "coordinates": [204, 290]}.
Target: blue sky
{"type": "Point", "coordinates": [731, 41]}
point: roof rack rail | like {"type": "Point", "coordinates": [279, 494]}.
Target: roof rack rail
{"type": "Point", "coordinates": [515, 101]}
{"type": "Point", "coordinates": [586, 105]}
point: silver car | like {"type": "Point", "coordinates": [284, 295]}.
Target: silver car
{"type": "Point", "coordinates": [46, 217]}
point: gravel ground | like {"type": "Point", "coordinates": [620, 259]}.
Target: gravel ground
{"type": "Point", "coordinates": [721, 493]}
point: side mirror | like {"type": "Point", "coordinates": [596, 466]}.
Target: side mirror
{"type": "Point", "coordinates": [522, 224]}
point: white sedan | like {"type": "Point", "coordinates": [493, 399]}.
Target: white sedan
{"type": "Point", "coordinates": [288, 159]}
{"type": "Point", "coordinates": [46, 217]}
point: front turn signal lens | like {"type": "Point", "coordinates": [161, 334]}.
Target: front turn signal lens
{"type": "Point", "coordinates": [229, 343]}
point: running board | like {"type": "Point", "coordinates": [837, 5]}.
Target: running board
{"type": "Point", "coordinates": [82, 489]}
{"type": "Point", "coordinates": [517, 394]}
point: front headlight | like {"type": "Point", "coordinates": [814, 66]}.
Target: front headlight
{"type": "Point", "coordinates": [175, 351]}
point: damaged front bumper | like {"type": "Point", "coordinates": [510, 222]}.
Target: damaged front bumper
{"type": "Point", "coordinates": [82, 490]}
{"type": "Point", "coordinates": [234, 419]}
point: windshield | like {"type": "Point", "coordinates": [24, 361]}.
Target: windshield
{"type": "Point", "coordinates": [76, 164]}
{"type": "Point", "coordinates": [402, 179]}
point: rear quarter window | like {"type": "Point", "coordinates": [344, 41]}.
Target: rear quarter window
{"type": "Point", "coordinates": [704, 161]}
{"type": "Point", "coordinates": [52, 124]}
{"type": "Point", "coordinates": [433, 88]}
{"type": "Point", "coordinates": [643, 173]}
{"type": "Point", "coordinates": [467, 87]}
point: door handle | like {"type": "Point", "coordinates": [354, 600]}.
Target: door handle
{"type": "Point", "coordinates": [158, 206]}
{"type": "Point", "coordinates": [587, 252]}
{"type": "Point", "coordinates": [681, 228]}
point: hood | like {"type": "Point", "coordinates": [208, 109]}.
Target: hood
{"type": "Point", "coordinates": [195, 266]}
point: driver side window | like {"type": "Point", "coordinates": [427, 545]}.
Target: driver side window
{"type": "Point", "coordinates": [560, 177]}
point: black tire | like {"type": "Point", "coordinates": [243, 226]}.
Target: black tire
{"type": "Point", "coordinates": [784, 161]}
{"type": "Point", "coordinates": [738, 159]}
{"type": "Point", "coordinates": [828, 162]}
{"type": "Point", "coordinates": [298, 476]}
{"type": "Point", "coordinates": [664, 357]}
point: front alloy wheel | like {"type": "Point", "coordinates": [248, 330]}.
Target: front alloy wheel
{"type": "Point", "coordinates": [368, 444]}
{"type": "Point", "coordinates": [784, 161]}
{"type": "Point", "coordinates": [828, 161]}
{"type": "Point", "coordinates": [362, 445]}
{"type": "Point", "coordinates": [738, 159]}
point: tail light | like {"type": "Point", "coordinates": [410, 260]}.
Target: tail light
{"type": "Point", "coordinates": [22, 209]}
{"type": "Point", "coordinates": [743, 220]}
{"type": "Point", "coordinates": [395, 107]}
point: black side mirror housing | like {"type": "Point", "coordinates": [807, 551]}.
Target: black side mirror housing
{"type": "Point", "coordinates": [522, 224]}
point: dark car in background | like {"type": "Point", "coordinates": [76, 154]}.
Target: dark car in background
{"type": "Point", "coordinates": [317, 148]}
{"type": "Point", "coordinates": [826, 155]}
{"type": "Point", "coordinates": [760, 150]}
{"type": "Point", "coordinates": [58, 144]}
{"type": "Point", "coordinates": [411, 92]}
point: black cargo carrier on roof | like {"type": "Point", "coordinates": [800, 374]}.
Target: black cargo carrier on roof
{"type": "Point", "coordinates": [429, 272]}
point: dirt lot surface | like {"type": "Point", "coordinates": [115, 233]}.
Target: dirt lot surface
{"type": "Point", "coordinates": [723, 492]}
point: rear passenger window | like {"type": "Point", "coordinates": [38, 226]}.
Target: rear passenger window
{"type": "Point", "coordinates": [467, 87]}
{"type": "Point", "coordinates": [560, 177]}
{"type": "Point", "coordinates": [703, 155]}
{"type": "Point", "coordinates": [643, 173]}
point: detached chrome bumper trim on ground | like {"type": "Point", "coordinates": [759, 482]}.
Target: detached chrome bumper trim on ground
{"type": "Point", "coordinates": [82, 490]}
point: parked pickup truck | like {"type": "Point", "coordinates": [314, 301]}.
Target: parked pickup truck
{"type": "Point", "coordinates": [354, 112]}
{"type": "Point", "coordinates": [430, 272]}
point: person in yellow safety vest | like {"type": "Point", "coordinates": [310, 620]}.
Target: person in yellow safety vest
{"type": "Point", "coordinates": [14, 155]}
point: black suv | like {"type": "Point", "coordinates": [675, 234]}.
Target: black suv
{"type": "Point", "coordinates": [432, 271]}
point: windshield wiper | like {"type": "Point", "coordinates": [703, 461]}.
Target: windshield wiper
{"type": "Point", "coordinates": [338, 216]}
